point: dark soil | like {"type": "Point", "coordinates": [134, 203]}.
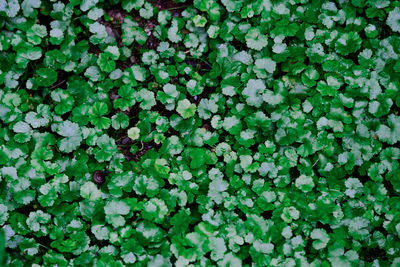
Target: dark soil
{"type": "Point", "coordinates": [113, 27]}
{"type": "Point", "coordinates": [129, 156]}
{"type": "Point", "coordinates": [171, 5]}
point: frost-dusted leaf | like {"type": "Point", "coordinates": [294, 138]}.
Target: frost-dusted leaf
{"type": "Point", "coordinates": [186, 109]}
{"type": "Point", "coordinates": [218, 248]}
{"type": "Point", "coordinates": [254, 91]}
{"type": "Point", "coordinates": [99, 32]}
{"type": "Point", "coordinates": [95, 13]}
{"type": "Point", "coordinates": [21, 127]}
{"type": "Point", "coordinates": [139, 73]}
{"type": "Point", "coordinates": [199, 21]}
{"type": "Point", "coordinates": [132, 32]}
{"type": "Point", "coordinates": [173, 145]}
{"type": "Point", "coordinates": [116, 207]}
{"type": "Point", "coordinates": [390, 134]}
{"type": "Point", "coordinates": [35, 120]}
{"type": "Point", "coordinates": [107, 148]}
{"type": "Point", "coordinates": [393, 20]}
{"type": "Point", "coordinates": [305, 183]}
{"type": "Point", "coordinates": [56, 36]}
{"type": "Point", "coordinates": [194, 88]}
{"type": "Point", "coordinates": [29, 246]}
{"type": "Point", "coordinates": [266, 64]}
{"type": "Point", "coordinates": [128, 5]}
{"type": "Point", "coordinates": [93, 73]}
{"type": "Point", "coordinates": [28, 7]}
{"type": "Point", "coordinates": [272, 98]}
{"type": "Point", "coordinates": [64, 101]}
{"type": "Point", "coordinates": [155, 210]}
{"type": "Point", "coordinates": [216, 189]}
{"type": "Point", "coordinates": [174, 34]}
{"type": "Point", "coordinates": [353, 186]}
{"type": "Point", "coordinates": [89, 191]}
{"type": "Point", "coordinates": [206, 108]}
{"type": "Point", "coordinates": [24, 55]}
{"type": "Point", "coordinates": [244, 57]}
{"type": "Point", "coordinates": [100, 232]}
{"type": "Point", "coordinates": [88, 4]}
{"type": "Point", "coordinates": [72, 134]}
{"type": "Point", "coordinates": [36, 33]}
{"type": "Point", "coordinates": [289, 214]}
{"type": "Point", "coordinates": [147, 11]}
{"type": "Point", "coordinates": [232, 5]}
{"type": "Point", "coordinates": [3, 214]}
{"type": "Point", "coordinates": [134, 133]}
{"type": "Point", "coordinates": [348, 43]}
{"type": "Point", "coordinates": [12, 100]}
{"type": "Point", "coordinates": [256, 40]}
{"type": "Point", "coordinates": [358, 228]}
{"type": "Point", "coordinates": [321, 238]}
{"type": "Point", "coordinates": [68, 129]}
{"type": "Point", "coordinates": [10, 7]}
{"type": "Point", "coordinates": [146, 98]}
{"type": "Point", "coordinates": [69, 144]}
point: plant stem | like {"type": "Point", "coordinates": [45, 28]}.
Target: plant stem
{"type": "Point", "coordinates": [177, 7]}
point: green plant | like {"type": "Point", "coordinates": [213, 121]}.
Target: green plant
{"type": "Point", "coordinates": [199, 133]}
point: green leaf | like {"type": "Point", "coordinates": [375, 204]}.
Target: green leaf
{"type": "Point", "coordinates": [128, 5]}
{"type": "Point", "coordinates": [64, 99]}
{"type": "Point", "coordinates": [46, 77]}
{"type": "Point", "coordinates": [36, 33]}
{"type": "Point", "coordinates": [107, 148]}
{"type": "Point", "coordinates": [89, 191]}
{"type": "Point", "coordinates": [155, 210]}
{"type": "Point", "coordinates": [305, 183]}
{"type": "Point", "coordinates": [3, 255]}
{"type": "Point", "coordinates": [348, 43]}
{"type": "Point", "coordinates": [146, 98]}
{"type": "Point", "coordinates": [105, 63]}
{"type": "Point", "coordinates": [186, 109]}
{"type": "Point", "coordinates": [26, 54]}
{"type": "Point", "coordinates": [132, 32]}
{"type": "Point", "coordinates": [96, 113]}
{"type": "Point", "coordinates": [127, 97]}
{"type": "Point", "coordinates": [120, 121]}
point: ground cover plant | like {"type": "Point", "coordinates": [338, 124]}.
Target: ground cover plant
{"type": "Point", "coordinates": [199, 133]}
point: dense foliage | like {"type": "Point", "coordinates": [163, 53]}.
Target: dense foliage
{"type": "Point", "coordinates": [199, 133]}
